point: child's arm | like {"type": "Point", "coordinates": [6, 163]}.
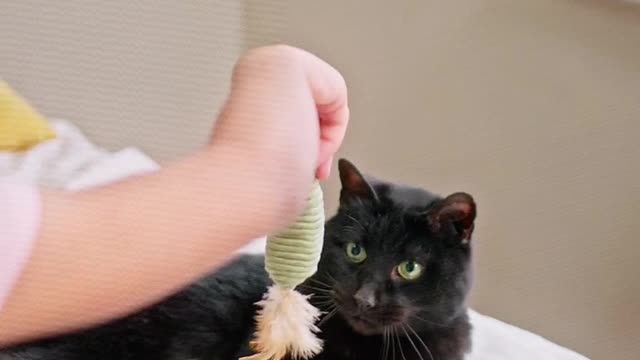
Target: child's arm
{"type": "Point", "coordinates": [20, 208]}
{"type": "Point", "coordinates": [106, 252]}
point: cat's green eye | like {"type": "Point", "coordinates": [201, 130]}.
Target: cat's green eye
{"type": "Point", "coordinates": [410, 270]}
{"type": "Point", "coordinates": [355, 252]}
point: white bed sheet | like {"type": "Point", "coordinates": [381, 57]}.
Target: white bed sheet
{"type": "Point", "coordinates": [72, 162]}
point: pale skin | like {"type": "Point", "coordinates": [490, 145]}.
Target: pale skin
{"type": "Point", "coordinates": [106, 252]}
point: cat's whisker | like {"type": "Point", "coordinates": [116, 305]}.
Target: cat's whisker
{"type": "Point", "coordinates": [395, 331]}
{"type": "Point", "coordinates": [331, 302]}
{"type": "Point", "coordinates": [328, 304]}
{"type": "Point", "coordinates": [328, 316]}
{"type": "Point", "coordinates": [385, 347]}
{"type": "Point", "coordinates": [351, 230]}
{"type": "Point", "coordinates": [320, 294]}
{"type": "Point", "coordinates": [429, 321]}
{"type": "Point", "coordinates": [326, 309]}
{"type": "Point", "coordinates": [331, 310]}
{"type": "Point", "coordinates": [320, 290]}
{"type": "Point", "coordinates": [323, 288]}
{"type": "Point", "coordinates": [359, 200]}
{"type": "Point", "coordinates": [327, 312]}
{"type": "Point", "coordinates": [384, 344]}
{"type": "Point", "coordinates": [328, 287]}
{"type": "Point", "coordinates": [421, 341]}
{"type": "Point", "coordinates": [356, 221]}
{"type": "Point", "coordinates": [393, 346]}
{"type": "Point", "coordinates": [332, 279]}
{"type": "Point", "coordinates": [412, 343]}
{"type": "Point", "coordinates": [387, 338]}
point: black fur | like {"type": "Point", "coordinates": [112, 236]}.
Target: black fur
{"type": "Point", "coordinates": [378, 314]}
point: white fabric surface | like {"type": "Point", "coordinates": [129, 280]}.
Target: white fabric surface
{"type": "Point", "coordinates": [72, 162]}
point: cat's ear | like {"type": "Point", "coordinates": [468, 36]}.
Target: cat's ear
{"type": "Point", "coordinates": [354, 185]}
{"type": "Point", "coordinates": [457, 212]}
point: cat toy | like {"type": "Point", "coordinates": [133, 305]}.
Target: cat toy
{"type": "Point", "coordinates": [286, 321]}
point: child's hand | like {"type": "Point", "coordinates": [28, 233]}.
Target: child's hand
{"type": "Point", "coordinates": [281, 126]}
{"type": "Point", "coordinates": [287, 114]}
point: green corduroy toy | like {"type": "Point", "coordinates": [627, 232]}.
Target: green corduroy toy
{"type": "Point", "coordinates": [286, 322]}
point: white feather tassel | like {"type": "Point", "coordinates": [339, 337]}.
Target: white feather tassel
{"type": "Point", "coordinates": [286, 326]}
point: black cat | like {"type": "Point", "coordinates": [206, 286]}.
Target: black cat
{"type": "Point", "coordinates": [393, 278]}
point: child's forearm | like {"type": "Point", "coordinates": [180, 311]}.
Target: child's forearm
{"type": "Point", "coordinates": [107, 252]}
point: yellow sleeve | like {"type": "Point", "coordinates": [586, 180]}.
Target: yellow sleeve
{"type": "Point", "coordinates": [21, 127]}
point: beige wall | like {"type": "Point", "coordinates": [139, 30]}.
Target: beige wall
{"type": "Point", "coordinates": [532, 106]}
{"type": "Point", "coordinates": [151, 73]}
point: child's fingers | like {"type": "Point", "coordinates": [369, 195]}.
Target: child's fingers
{"type": "Point", "coordinates": [332, 131]}
{"type": "Point", "coordinates": [329, 91]}
{"type": "Point", "coordinates": [286, 67]}
{"type": "Point", "coordinates": [324, 170]}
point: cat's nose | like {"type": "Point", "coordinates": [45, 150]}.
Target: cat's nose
{"type": "Point", "coordinates": [365, 297]}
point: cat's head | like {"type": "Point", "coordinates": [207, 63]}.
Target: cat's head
{"type": "Point", "coordinates": [395, 255]}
